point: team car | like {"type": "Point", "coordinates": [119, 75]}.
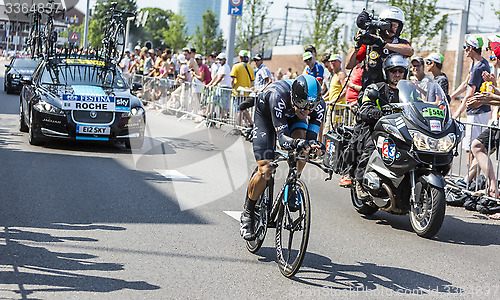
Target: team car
{"type": "Point", "coordinates": [19, 68]}
{"type": "Point", "coordinates": [81, 99]}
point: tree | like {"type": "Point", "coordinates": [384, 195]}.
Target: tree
{"type": "Point", "coordinates": [251, 26]}
{"type": "Point", "coordinates": [323, 34]}
{"type": "Point", "coordinates": [420, 21]}
{"type": "Point", "coordinates": [175, 36]}
{"type": "Point", "coordinates": [206, 38]}
{"type": "Point", "coordinates": [98, 22]}
{"type": "Point", "coordinates": [158, 20]}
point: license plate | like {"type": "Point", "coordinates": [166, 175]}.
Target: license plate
{"type": "Point", "coordinates": [101, 130]}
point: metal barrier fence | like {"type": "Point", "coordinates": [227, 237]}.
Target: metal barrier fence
{"type": "Point", "coordinates": [194, 100]}
{"type": "Point", "coordinates": [463, 168]}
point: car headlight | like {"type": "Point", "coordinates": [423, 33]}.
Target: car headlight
{"type": "Point", "coordinates": [16, 76]}
{"type": "Point", "coordinates": [134, 111]}
{"type": "Point", "coordinates": [424, 142]}
{"type": "Point", "coordinates": [45, 107]}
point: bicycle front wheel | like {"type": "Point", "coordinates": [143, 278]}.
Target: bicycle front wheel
{"type": "Point", "coordinates": [292, 232]}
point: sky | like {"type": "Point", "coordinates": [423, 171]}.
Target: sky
{"type": "Point", "coordinates": [481, 10]}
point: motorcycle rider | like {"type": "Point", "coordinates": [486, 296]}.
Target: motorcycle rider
{"type": "Point", "coordinates": [375, 96]}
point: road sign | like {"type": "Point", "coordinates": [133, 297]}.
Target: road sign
{"type": "Point", "coordinates": [74, 37]}
{"type": "Point", "coordinates": [235, 7]}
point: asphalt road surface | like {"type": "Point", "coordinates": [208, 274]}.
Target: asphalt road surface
{"type": "Point", "coordinates": [94, 220]}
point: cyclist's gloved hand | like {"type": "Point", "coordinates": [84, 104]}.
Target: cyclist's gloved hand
{"type": "Point", "coordinates": [302, 145]}
{"type": "Point", "coordinates": [318, 146]}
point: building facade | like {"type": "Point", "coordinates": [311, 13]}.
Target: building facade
{"type": "Point", "coordinates": [193, 10]}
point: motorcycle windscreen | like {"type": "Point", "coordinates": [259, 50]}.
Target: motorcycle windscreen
{"type": "Point", "coordinates": [427, 103]}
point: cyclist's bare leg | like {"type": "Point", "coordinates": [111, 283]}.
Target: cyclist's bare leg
{"type": "Point", "coordinates": [257, 183]}
{"type": "Point", "coordinates": [300, 134]}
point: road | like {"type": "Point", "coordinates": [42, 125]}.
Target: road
{"type": "Point", "coordinates": [93, 220]}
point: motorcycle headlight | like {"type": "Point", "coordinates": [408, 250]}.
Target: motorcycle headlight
{"type": "Point", "coordinates": [424, 142]}
{"type": "Point", "coordinates": [46, 107]}
{"type": "Point", "coordinates": [134, 111]}
{"type": "Point", "coordinates": [393, 131]}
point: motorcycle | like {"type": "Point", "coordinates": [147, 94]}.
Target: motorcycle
{"type": "Point", "coordinates": [415, 142]}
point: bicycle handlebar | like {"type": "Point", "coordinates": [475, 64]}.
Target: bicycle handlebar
{"type": "Point", "coordinates": [293, 155]}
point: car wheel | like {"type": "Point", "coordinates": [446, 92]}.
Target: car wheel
{"type": "Point", "coordinates": [33, 137]}
{"type": "Point", "coordinates": [22, 122]}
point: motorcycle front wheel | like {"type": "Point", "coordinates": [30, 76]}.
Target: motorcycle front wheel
{"type": "Point", "coordinates": [428, 210]}
{"type": "Point", "coordinates": [360, 206]}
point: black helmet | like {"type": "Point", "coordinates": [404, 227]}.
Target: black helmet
{"type": "Point", "coordinates": [306, 92]}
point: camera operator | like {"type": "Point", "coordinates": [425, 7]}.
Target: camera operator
{"type": "Point", "coordinates": [373, 48]}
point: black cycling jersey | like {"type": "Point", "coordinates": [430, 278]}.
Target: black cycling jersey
{"type": "Point", "coordinates": [275, 117]}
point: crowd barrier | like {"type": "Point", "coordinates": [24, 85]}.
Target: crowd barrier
{"type": "Point", "coordinates": [194, 100]}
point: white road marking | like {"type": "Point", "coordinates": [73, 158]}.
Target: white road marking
{"type": "Point", "coordinates": [172, 174]}
{"type": "Point", "coordinates": [233, 214]}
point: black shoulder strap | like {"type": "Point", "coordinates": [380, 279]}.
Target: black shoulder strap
{"type": "Point", "coordinates": [249, 77]}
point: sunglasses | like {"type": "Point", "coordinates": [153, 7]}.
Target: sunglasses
{"type": "Point", "coordinates": [308, 59]}
{"type": "Point", "coordinates": [397, 70]}
{"type": "Point", "coordinates": [428, 62]}
{"type": "Point", "coordinates": [467, 46]}
{"type": "Point", "coordinates": [493, 57]}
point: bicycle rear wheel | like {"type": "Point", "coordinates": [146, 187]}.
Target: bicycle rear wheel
{"type": "Point", "coordinates": [292, 233]}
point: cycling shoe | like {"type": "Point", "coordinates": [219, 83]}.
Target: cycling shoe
{"type": "Point", "coordinates": [246, 229]}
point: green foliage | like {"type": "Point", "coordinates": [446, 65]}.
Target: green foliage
{"type": "Point", "coordinates": [206, 38]}
{"type": "Point", "coordinates": [101, 11]}
{"type": "Point", "coordinates": [251, 26]}
{"type": "Point", "coordinates": [420, 21]}
{"type": "Point", "coordinates": [322, 33]}
{"type": "Point", "coordinates": [176, 37]}
{"type": "Point", "coordinates": [158, 20]}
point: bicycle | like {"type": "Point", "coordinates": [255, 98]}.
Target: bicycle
{"type": "Point", "coordinates": [35, 38]}
{"type": "Point", "coordinates": [50, 35]}
{"type": "Point", "coordinates": [277, 214]}
{"type": "Point", "coordinates": [114, 34]}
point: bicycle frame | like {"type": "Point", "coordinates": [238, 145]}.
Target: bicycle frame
{"type": "Point", "coordinates": [291, 180]}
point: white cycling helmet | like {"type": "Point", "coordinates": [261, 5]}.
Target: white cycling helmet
{"type": "Point", "coordinates": [395, 60]}
{"type": "Point", "coordinates": [394, 14]}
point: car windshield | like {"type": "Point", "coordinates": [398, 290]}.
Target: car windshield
{"type": "Point", "coordinates": [429, 92]}
{"type": "Point", "coordinates": [25, 63]}
{"type": "Point", "coordinates": [63, 74]}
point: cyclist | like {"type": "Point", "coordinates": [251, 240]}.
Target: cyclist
{"type": "Point", "coordinates": [293, 112]}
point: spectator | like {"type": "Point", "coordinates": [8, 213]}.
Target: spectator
{"type": "Point", "coordinates": [263, 75]}
{"type": "Point", "coordinates": [183, 77]}
{"type": "Point", "coordinates": [125, 62]}
{"type": "Point", "coordinates": [417, 69]}
{"type": "Point", "coordinates": [214, 64]}
{"type": "Point", "coordinates": [327, 74]}
{"type": "Point", "coordinates": [205, 76]}
{"type": "Point", "coordinates": [481, 114]}
{"type": "Point", "coordinates": [133, 64]}
{"type": "Point", "coordinates": [223, 80]}
{"type": "Point", "coordinates": [336, 94]}
{"type": "Point", "coordinates": [354, 85]}
{"type": "Point", "coordinates": [313, 68]}
{"type": "Point", "coordinates": [170, 62]}
{"type": "Point", "coordinates": [191, 63]}
{"type": "Point", "coordinates": [434, 63]}
{"type": "Point", "coordinates": [279, 74]}
{"type": "Point", "coordinates": [242, 76]}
